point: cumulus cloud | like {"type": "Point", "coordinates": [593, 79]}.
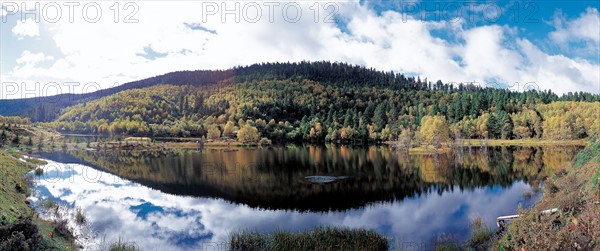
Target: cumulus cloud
{"type": "Point", "coordinates": [559, 72]}
{"type": "Point", "coordinates": [109, 52]}
{"type": "Point", "coordinates": [26, 28]}
{"type": "Point", "coordinates": [583, 30]}
{"type": "Point", "coordinates": [28, 57]}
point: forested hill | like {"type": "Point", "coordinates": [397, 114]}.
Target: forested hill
{"type": "Point", "coordinates": [47, 108]}
{"type": "Point", "coordinates": [324, 101]}
{"type": "Point", "coordinates": [338, 74]}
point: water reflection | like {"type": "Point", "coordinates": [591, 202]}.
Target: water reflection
{"type": "Point", "coordinates": [187, 199]}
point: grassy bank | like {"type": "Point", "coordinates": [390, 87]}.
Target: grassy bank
{"type": "Point", "coordinates": [575, 191]}
{"type": "Point", "coordinates": [321, 238]}
{"type": "Point", "coordinates": [447, 148]}
{"type": "Point", "coordinates": [19, 227]}
{"type": "Point", "coordinates": [525, 142]}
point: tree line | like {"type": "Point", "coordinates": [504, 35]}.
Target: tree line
{"type": "Point", "coordinates": [322, 101]}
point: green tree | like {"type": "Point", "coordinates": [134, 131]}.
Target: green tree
{"type": "Point", "coordinates": [379, 117]}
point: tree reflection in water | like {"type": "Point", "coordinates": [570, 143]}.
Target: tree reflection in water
{"type": "Point", "coordinates": [273, 178]}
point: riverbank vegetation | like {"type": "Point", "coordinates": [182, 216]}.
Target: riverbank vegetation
{"type": "Point", "coordinates": [320, 238]}
{"type": "Point", "coordinates": [20, 228]}
{"type": "Point", "coordinates": [575, 191]}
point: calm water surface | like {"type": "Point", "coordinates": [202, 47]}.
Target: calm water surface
{"type": "Point", "coordinates": [192, 200]}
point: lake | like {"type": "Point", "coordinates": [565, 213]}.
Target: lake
{"type": "Point", "coordinates": [192, 200]}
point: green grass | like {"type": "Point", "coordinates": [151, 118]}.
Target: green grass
{"type": "Point", "coordinates": [13, 186]}
{"type": "Point", "coordinates": [597, 176]}
{"type": "Point", "coordinates": [57, 242]}
{"type": "Point", "coordinates": [481, 239]}
{"type": "Point", "coordinates": [13, 196]}
{"type": "Point", "coordinates": [36, 161]}
{"type": "Point", "coordinates": [320, 238]}
{"type": "Point", "coordinates": [48, 204]}
{"type": "Point", "coordinates": [525, 142]}
{"type": "Point", "coordinates": [585, 155]}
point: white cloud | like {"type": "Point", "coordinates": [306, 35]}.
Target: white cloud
{"type": "Point", "coordinates": [107, 52]}
{"type": "Point", "coordinates": [561, 73]}
{"type": "Point", "coordinates": [27, 28]}
{"type": "Point", "coordinates": [109, 200]}
{"type": "Point", "coordinates": [582, 30]}
{"type": "Point", "coordinates": [32, 58]}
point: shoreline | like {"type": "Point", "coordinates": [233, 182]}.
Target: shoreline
{"type": "Point", "coordinates": [574, 191]}
{"type": "Point", "coordinates": [232, 145]}
{"type": "Point", "coordinates": [16, 208]}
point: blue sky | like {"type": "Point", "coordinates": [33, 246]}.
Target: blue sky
{"type": "Point", "coordinates": [534, 19]}
{"type": "Point", "coordinates": [548, 44]}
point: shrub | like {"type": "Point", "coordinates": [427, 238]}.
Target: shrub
{"type": "Point", "coordinates": [570, 202]}
{"type": "Point", "coordinates": [20, 235]}
{"type": "Point", "coordinates": [79, 216]}
{"type": "Point", "coordinates": [551, 187]}
{"type": "Point", "coordinates": [62, 228]}
{"type": "Point", "coordinates": [39, 171]}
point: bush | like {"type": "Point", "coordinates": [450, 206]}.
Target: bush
{"type": "Point", "coordinates": [39, 171]}
{"type": "Point", "coordinates": [21, 235]}
{"type": "Point", "coordinates": [79, 216]}
{"type": "Point", "coordinates": [62, 228]}
{"type": "Point", "coordinates": [571, 202]}
{"type": "Point", "coordinates": [551, 187]}
{"type": "Point", "coordinates": [19, 187]}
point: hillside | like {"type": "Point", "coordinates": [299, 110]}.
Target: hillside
{"type": "Point", "coordinates": [49, 108]}
{"type": "Point", "coordinates": [334, 102]}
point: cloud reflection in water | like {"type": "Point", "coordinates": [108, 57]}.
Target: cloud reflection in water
{"type": "Point", "coordinates": [122, 209]}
